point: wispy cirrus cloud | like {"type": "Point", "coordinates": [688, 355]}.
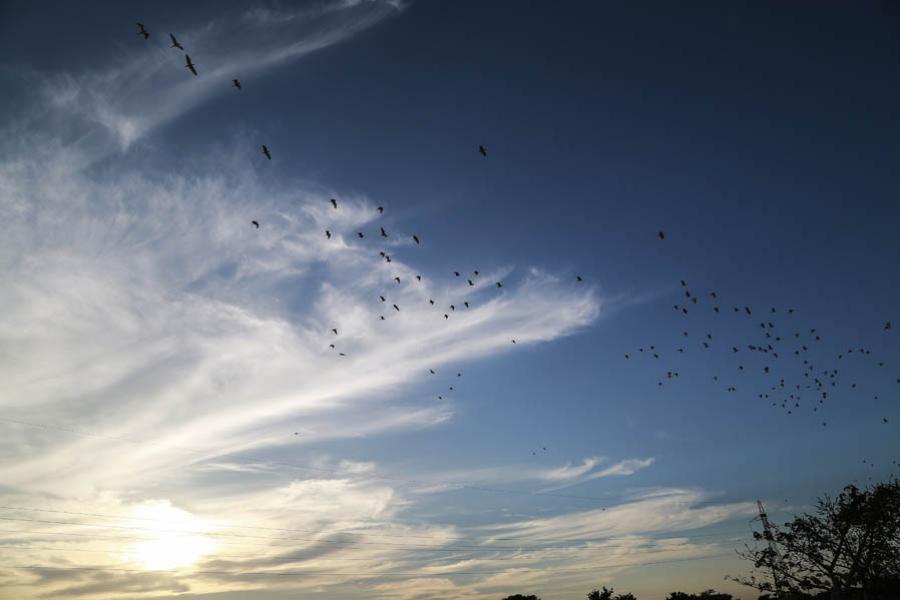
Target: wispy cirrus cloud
{"type": "Point", "coordinates": [157, 355]}
{"type": "Point", "coordinates": [150, 87]}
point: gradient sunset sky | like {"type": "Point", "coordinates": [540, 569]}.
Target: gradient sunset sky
{"type": "Point", "coordinates": [174, 422]}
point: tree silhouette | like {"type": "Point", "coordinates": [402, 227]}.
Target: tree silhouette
{"type": "Point", "coordinates": [705, 595]}
{"type": "Point", "coordinates": [849, 546]}
{"type": "Point", "coordinates": [607, 594]}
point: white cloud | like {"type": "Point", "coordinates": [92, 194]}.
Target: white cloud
{"type": "Point", "coordinates": [158, 353]}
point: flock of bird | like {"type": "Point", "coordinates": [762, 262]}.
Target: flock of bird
{"type": "Point", "coordinates": [793, 380]}
{"type": "Point", "coordinates": [796, 367]}
{"type": "Point", "coordinates": [382, 233]}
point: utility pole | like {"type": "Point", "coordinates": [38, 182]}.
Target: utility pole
{"type": "Point", "coordinates": [767, 533]}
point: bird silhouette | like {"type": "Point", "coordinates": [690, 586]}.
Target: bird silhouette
{"type": "Point", "coordinates": [456, 273]}
{"type": "Point", "coordinates": [334, 331]}
{"type": "Point", "coordinates": [382, 298]}
{"type": "Point", "coordinates": [380, 210]}
{"type": "Point", "coordinates": [265, 151]}
{"type": "Point", "coordinates": [328, 234]}
{"type": "Point", "coordinates": [236, 83]}
{"type": "Point", "coordinates": [397, 279]}
{"type": "Point", "coordinates": [416, 239]}
{"type": "Point", "coordinates": [887, 325]}
{"type": "Point", "coordinates": [499, 285]}
{"type": "Point", "coordinates": [418, 278]}
{"type": "Point", "coordinates": [482, 150]}
{"type": "Point", "coordinates": [143, 31]}
{"type": "Point", "coordinates": [578, 278]}
{"type": "Point", "coordinates": [175, 43]}
{"type": "Point", "coordinates": [397, 308]}
{"type": "Point", "coordinates": [360, 234]}
{"type": "Point", "coordinates": [662, 235]}
{"type": "Point", "coordinates": [189, 65]}
{"type": "Point", "coordinates": [383, 232]}
{"type": "Point", "coordinates": [470, 282]}
{"type": "Point", "coordinates": [333, 203]}
{"type": "Point", "coordinates": [255, 224]}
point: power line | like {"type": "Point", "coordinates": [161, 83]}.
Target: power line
{"type": "Point", "coordinates": [435, 538]}
{"type": "Point", "coordinates": [306, 467]}
{"type": "Point", "coordinates": [353, 544]}
{"type": "Point", "coordinates": [365, 574]}
{"type": "Point", "coordinates": [271, 545]}
{"type": "Point", "coordinates": [529, 555]}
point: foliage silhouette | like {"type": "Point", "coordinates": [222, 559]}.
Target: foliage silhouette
{"type": "Point", "coordinates": [848, 548]}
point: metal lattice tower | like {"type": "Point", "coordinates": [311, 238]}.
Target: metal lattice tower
{"type": "Point", "coordinates": [767, 533]}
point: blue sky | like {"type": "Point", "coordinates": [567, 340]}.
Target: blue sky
{"type": "Point", "coordinates": [159, 353]}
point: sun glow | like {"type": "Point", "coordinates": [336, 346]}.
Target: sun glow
{"type": "Point", "coordinates": [173, 541]}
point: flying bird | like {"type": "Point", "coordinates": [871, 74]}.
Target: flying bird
{"type": "Point", "coordinates": [380, 210]}
{"type": "Point", "coordinates": [418, 278]}
{"type": "Point", "coordinates": [662, 235]}
{"type": "Point", "coordinates": [887, 325]}
{"type": "Point", "coordinates": [499, 285]}
{"type": "Point", "coordinates": [236, 83]}
{"type": "Point", "coordinates": [333, 202]}
{"type": "Point", "coordinates": [416, 239]}
{"type": "Point", "coordinates": [328, 234]}
{"type": "Point", "coordinates": [255, 224]}
{"type": "Point", "coordinates": [578, 278]}
{"type": "Point", "coordinates": [143, 31]}
{"type": "Point", "coordinates": [335, 331]}
{"type": "Point", "coordinates": [397, 308]}
{"type": "Point", "coordinates": [397, 279]}
{"type": "Point", "coordinates": [360, 234]}
{"type": "Point", "coordinates": [266, 152]}
{"type": "Point", "coordinates": [456, 273]}
{"type": "Point", "coordinates": [383, 232]}
{"type": "Point", "coordinates": [175, 43]}
{"type": "Point", "coordinates": [189, 65]}
{"type": "Point", "coordinates": [482, 150]}
{"type": "Point", "coordinates": [470, 282]}
{"type": "Point", "coordinates": [382, 298]}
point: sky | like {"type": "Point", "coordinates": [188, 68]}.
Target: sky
{"type": "Point", "coordinates": [174, 422]}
